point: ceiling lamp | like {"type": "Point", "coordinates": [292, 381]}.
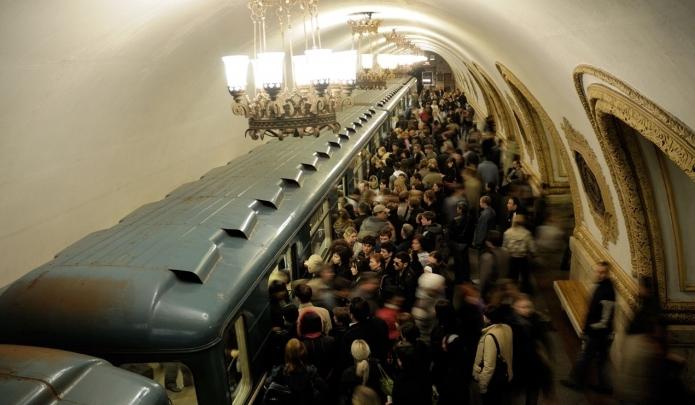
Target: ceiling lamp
{"type": "Point", "coordinates": [369, 74]}
{"type": "Point", "coordinates": [294, 95]}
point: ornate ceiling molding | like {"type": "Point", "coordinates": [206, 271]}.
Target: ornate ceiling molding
{"type": "Point", "coordinates": [544, 134]}
{"type": "Point", "coordinates": [523, 126]}
{"type": "Point", "coordinates": [605, 105]}
{"type": "Point", "coordinates": [600, 201]}
{"type": "Point", "coordinates": [662, 128]}
{"type": "Point", "coordinates": [499, 108]}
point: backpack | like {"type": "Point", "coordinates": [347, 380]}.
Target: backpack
{"type": "Point", "coordinates": [500, 377]}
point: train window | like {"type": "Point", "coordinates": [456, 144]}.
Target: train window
{"type": "Point", "coordinates": [320, 234]}
{"type": "Point", "coordinates": [237, 363]}
{"type": "Point", "coordinates": [176, 377]}
{"type": "Point", "coordinates": [284, 266]}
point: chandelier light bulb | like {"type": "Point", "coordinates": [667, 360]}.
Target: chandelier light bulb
{"type": "Point", "coordinates": [236, 69]}
{"type": "Point", "coordinates": [367, 61]}
{"type": "Point", "coordinates": [344, 69]}
{"type": "Point", "coordinates": [268, 70]}
{"type": "Point", "coordinates": [318, 65]}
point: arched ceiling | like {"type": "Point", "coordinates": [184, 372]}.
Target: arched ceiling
{"type": "Point", "coordinates": [110, 104]}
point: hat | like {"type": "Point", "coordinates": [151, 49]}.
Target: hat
{"type": "Point", "coordinates": [379, 208]}
{"type": "Point", "coordinates": [431, 281]}
{"type": "Point", "coordinates": [314, 263]}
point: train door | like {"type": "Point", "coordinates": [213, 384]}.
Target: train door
{"type": "Point", "coordinates": [236, 362]}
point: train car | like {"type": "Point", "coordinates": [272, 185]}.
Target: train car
{"type": "Point", "coordinates": [178, 288]}
{"type": "Point", "coordinates": [40, 376]}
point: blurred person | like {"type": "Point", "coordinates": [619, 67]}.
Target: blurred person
{"type": "Point", "coordinates": [598, 331]}
{"type": "Point", "coordinates": [407, 232]}
{"type": "Point", "coordinates": [363, 372]}
{"type": "Point", "coordinates": [486, 222]}
{"type": "Point", "coordinates": [323, 293]}
{"type": "Point", "coordinates": [488, 171]}
{"type": "Point", "coordinates": [372, 225]}
{"type": "Point", "coordinates": [532, 351]}
{"type": "Point", "coordinates": [460, 233]}
{"type": "Point", "coordinates": [389, 312]}
{"type": "Point", "coordinates": [431, 231]}
{"type": "Point", "coordinates": [431, 288]}
{"type": "Point", "coordinates": [341, 223]}
{"type": "Point", "coordinates": [493, 264]}
{"type": "Point", "coordinates": [313, 265]}
{"type": "Point", "coordinates": [640, 377]}
{"type": "Point", "coordinates": [409, 386]}
{"type": "Point", "coordinates": [519, 243]}
{"type": "Point", "coordinates": [321, 348]}
{"type": "Point", "coordinates": [363, 395]}
{"type": "Point", "coordinates": [302, 379]}
{"type": "Point", "coordinates": [450, 375]}
{"type": "Point", "coordinates": [304, 294]}
{"type": "Point", "coordinates": [364, 326]}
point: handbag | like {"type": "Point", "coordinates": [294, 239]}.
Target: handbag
{"type": "Point", "coordinates": [385, 381]}
{"type": "Point", "coordinates": [276, 393]}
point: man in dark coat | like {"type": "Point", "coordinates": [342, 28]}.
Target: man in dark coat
{"type": "Point", "coordinates": [486, 221]}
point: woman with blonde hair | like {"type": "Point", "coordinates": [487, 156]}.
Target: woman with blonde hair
{"type": "Point", "coordinates": [364, 372]}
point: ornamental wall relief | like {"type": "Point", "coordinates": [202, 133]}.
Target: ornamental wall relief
{"type": "Point", "coordinates": [595, 186]}
{"type": "Point", "coordinates": [619, 114]}
{"type": "Point", "coordinates": [545, 137]}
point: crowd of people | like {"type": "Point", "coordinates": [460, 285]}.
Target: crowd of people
{"type": "Point", "coordinates": [395, 316]}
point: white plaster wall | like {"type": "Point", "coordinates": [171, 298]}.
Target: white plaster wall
{"type": "Point", "coordinates": [107, 105]}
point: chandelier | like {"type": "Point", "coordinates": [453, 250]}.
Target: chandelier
{"type": "Point", "coordinates": [369, 74]}
{"type": "Point", "coordinates": [408, 54]}
{"type": "Point", "coordinates": [294, 95]}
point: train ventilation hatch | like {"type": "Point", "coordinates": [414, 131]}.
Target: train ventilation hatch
{"type": "Point", "coordinates": [270, 196]}
{"type": "Point", "coordinates": [193, 261]}
{"type": "Point", "coordinates": [240, 226]}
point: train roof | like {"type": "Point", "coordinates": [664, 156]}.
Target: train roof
{"type": "Point", "coordinates": [38, 376]}
{"type": "Point", "coordinates": [169, 275]}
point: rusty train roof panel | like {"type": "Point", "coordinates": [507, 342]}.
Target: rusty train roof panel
{"type": "Point", "coordinates": [38, 376]}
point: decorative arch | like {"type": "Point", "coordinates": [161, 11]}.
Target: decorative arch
{"type": "Point", "coordinates": [595, 186]}
{"type": "Point", "coordinates": [616, 113]}
{"type": "Point", "coordinates": [497, 104]}
{"type": "Point", "coordinates": [545, 137]}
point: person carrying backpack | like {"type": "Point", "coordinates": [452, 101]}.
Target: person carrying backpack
{"type": "Point", "coordinates": [492, 368]}
{"type": "Point", "coordinates": [296, 382]}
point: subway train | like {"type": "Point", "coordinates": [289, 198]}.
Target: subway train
{"type": "Point", "coordinates": [177, 290]}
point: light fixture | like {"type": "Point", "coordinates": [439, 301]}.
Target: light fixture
{"type": "Point", "coordinates": [369, 74]}
{"type": "Point", "coordinates": [294, 95]}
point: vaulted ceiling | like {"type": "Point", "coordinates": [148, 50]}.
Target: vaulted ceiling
{"type": "Point", "coordinates": [108, 105]}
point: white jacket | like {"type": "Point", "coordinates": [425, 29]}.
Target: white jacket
{"type": "Point", "coordinates": [486, 345]}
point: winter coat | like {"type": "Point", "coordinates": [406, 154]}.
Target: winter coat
{"type": "Point", "coordinates": [487, 354]}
